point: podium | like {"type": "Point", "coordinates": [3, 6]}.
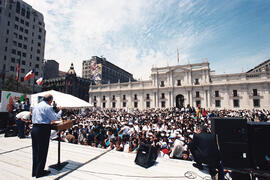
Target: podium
{"type": "Point", "coordinates": [60, 127]}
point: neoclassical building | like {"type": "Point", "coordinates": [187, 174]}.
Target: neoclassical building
{"type": "Point", "coordinates": [193, 84]}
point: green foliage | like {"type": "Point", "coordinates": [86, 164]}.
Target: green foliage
{"type": "Point", "coordinates": [10, 84]}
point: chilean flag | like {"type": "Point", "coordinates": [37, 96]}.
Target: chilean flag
{"type": "Point", "coordinates": [40, 81]}
{"type": "Point", "coordinates": [29, 75]}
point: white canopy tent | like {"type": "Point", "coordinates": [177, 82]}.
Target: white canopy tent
{"type": "Point", "coordinates": [61, 99]}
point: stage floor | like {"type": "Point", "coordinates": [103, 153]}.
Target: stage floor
{"type": "Point", "coordinates": [88, 163]}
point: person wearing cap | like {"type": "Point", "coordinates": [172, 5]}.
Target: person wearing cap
{"type": "Point", "coordinates": [42, 117]}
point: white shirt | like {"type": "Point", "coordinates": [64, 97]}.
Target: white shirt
{"type": "Point", "coordinates": [24, 114]}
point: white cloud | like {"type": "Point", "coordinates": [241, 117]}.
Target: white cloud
{"type": "Point", "coordinates": [134, 34]}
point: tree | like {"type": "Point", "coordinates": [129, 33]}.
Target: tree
{"type": "Point", "coordinates": [10, 84]}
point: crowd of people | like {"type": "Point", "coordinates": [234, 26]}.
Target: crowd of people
{"type": "Point", "coordinates": [169, 130]}
{"type": "Point", "coordinates": [175, 133]}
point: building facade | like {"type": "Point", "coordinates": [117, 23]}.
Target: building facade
{"type": "Point", "coordinates": [69, 83]}
{"type": "Point", "coordinates": [22, 35]}
{"type": "Point", "coordinates": [103, 72]}
{"type": "Point", "coordinates": [182, 85]}
{"type": "Point", "coordinates": [51, 69]}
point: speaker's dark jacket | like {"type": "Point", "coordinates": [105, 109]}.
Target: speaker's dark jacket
{"type": "Point", "coordinates": [204, 149]}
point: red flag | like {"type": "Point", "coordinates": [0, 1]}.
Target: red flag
{"type": "Point", "coordinates": [18, 72]}
{"type": "Point", "coordinates": [29, 75]}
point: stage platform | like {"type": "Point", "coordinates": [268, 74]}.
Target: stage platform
{"type": "Point", "coordinates": [86, 162]}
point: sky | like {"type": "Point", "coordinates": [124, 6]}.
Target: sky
{"type": "Point", "coordinates": [136, 35]}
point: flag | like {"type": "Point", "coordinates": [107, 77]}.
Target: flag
{"type": "Point", "coordinates": [29, 75]}
{"type": "Point", "coordinates": [177, 56]}
{"type": "Point", "coordinates": [40, 81]}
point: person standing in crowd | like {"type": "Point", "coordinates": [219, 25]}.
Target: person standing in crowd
{"type": "Point", "coordinates": [204, 150]}
{"type": "Point", "coordinates": [21, 119]}
{"type": "Point", "coordinates": [43, 116]}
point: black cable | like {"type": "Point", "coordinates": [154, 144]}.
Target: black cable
{"type": "Point", "coordinates": [15, 150]}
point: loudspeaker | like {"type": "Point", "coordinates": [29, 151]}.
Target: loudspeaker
{"type": "Point", "coordinates": [232, 139]}
{"type": "Point", "coordinates": [258, 136]}
{"type": "Point", "coordinates": [235, 154]}
{"type": "Point", "coordinates": [4, 119]}
{"type": "Point", "coordinates": [230, 129]}
{"type": "Point", "coordinates": [146, 155]}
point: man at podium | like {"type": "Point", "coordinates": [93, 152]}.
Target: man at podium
{"type": "Point", "coordinates": [42, 117]}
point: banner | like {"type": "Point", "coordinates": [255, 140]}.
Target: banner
{"type": "Point", "coordinates": [95, 72]}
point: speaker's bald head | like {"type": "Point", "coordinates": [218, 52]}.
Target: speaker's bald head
{"type": "Point", "coordinates": [48, 97]}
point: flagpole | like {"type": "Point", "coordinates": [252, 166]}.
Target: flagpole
{"type": "Point", "coordinates": [33, 81]}
{"type": "Point", "coordinates": [177, 56]}
{"type": "Point", "coordinates": [18, 72]}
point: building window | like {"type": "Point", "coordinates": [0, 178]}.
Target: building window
{"type": "Point", "coordinates": [104, 98]}
{"type": "Point", "coordinates": [23, 12]}
{"type": "Point", "coordinates": [217, 103]}
{"type": "Point", "coordinates": [197, 94]}
{"type": "Point", "coordinates": [162, 84]}
{"type": "Point", "coordinates": [197, 82]}
{"type": "Point", "coordinates": [162, 96]}
{"type": "Point", "coordinates": [198, 103]}
{"type": "Point", "coordinates": [11, 68]}
{"type": "Point", "coordinates": [147, 96]}
{"type": "Point", "coordinates": [113, 104]}
{"type": "Point", "coordinates": [135, 104]}
{"type": "Point", "coordinates": [256, 102]}
{"type": "Point", "coordinates": [95, 98]}
{"type": "Point", "coordinates": [36, 73]}
{"type": "Point", "coordinates": [18, 7]}
{"type": "Point", "coordinates": [22, 70]}
{"type": "Point", "coordinates": [104, 105]}
{"type": "Point", "coordinates": [23, 62]}
{"type": "Point", "coordinates": [124, 97]}
{"type": "Point", "coordinates": [124, 104]}
{"type": "Point", "coordinates": [178, 82]}
{"type": "Point", "coordinates": [13, 60]}
{"type": "Point", "coordinates": [13, 51]}
{"type": "Point", "coordinates": [113, 97]}
{"type": "Point", "coordinates": [234, 93]}
{"type": "Point", "coordinates": [236, 103]}
{"type": "Point", "coordinates": [135, 96]}
{"type": "Point", "coordinates": [216, 93]}
{"type": "Point", "coordinates": [148, 104]}
{"type": "Point", "coordinates": [255, 92]}
{"type": "Point", "coordinates": [24, 54]}
{"type": "Point", "coordinates": [163, 104]}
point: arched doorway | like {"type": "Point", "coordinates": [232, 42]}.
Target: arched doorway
{"type": "Point", "coordinates": [179, 101]}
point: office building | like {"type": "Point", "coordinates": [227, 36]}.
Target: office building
{"type": "Point", "coordinates": [22, 39]}
{"type": "Point", "coordinates": [102, 71]}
